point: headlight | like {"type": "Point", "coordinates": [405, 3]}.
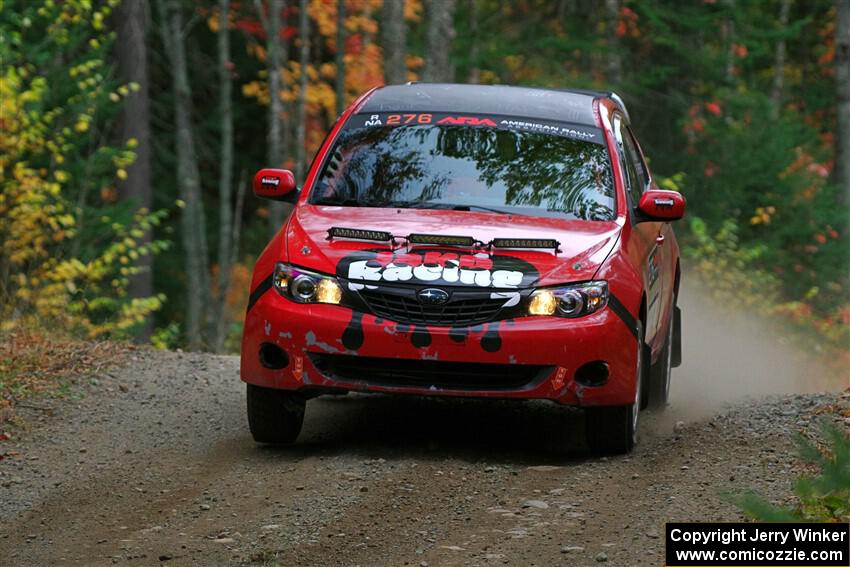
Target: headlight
{"type": "Point", "coordinates": [574, 300]}
{"type": "Point", "coordinates": [304, 286]}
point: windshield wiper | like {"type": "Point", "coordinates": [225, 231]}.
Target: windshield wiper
{"type": "Point", "coordinates": [478, 208]}
{"type": "Point", "coordinates": [349, 202]}
{"type": "Point", "coordinates": [442, 206]}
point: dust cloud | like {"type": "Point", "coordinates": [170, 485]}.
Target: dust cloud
{"type": "Point", "coordinates": [729, 356]}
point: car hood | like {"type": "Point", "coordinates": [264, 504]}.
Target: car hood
{"type": "Point", "coordinates": [584, 245]}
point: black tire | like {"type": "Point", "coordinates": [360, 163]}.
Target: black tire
{"type": "Point", "coordinates": [613, 430]}
{"type": "Point", "coordinates": [659, 373]}
{"type": "Point", "coordinates": [609, 430]}
{"type": "Point", "coordinates": [274, 416]}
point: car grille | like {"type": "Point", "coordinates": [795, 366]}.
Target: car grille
{"type": "Point", "coordinates": [428, 373]}
{"type": "Point", "coordinates": [406, 309]}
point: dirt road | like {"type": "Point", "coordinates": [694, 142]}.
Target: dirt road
{"type": "Point", "coordinates": [155, 465]}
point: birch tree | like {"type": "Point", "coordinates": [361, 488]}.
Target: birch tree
{"type": "Point", "coordinates": [276, 55]}
{"type": "Point", "coordinates": [778, 87]}
{"type": "Point", "coordinates": [394, 42]}
{"type": "Point", "coordinates": [340, 57]}
{"type": "Point", "coordinates": [842, 95]}
{"type": "Point", "coordinates": [193, 225]}
{"type": "Point", "coordinates": [440, 35]}
{"type": "Point", "coordinates": [614, 62]}
{"type": "Point", "coordinates": [225, 179]}
{"type": "Point", "coordinates": [474, 49]}
{"type": "Point", "coordinates": [134, 123]}
{"type": "Point", "coordinates": [301, 111]}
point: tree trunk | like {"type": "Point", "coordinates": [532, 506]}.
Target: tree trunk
{"type": "Point", "coordinates": [301, 116]}
{"type": "Point", "coordinates": [474, 69]}
{"type": "Point", "coordinates": [440, 34]}
{"type": "Point", "coordinates": [394, 42]}
{"type": "Point", "coordinates": [225, 180]}
{"type": "Point", "coordinates": [727, 32]}
{"type": "Point", "coordinates": [779, 63]}
{"type": "Point", "coordinates": [613, 64]}
{"type": "Point", "coordinates": [842, 94]}
{"type": "Point", "coordinates": [272, 25]}
{"type": "Point", "coordinates": [340, 56]}
{"type": "Point", "coordinates": [188, 179]}
{"type": "Point", "coordinates": [134, 123]}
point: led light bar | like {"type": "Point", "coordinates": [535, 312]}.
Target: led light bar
{"type": "Point", "coordinates": [441, 239]}
{"type": "Point", "coordinates": [358, 234]}
{"type": "Point", "coordinates": [525, 243]}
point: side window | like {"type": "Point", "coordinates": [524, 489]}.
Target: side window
{"type": "Point", "coordinates": [640, 166]}
{"type": "Point", "coordinates": [627, 154]}
{"type": "Point", "coordinates": [637, 175]}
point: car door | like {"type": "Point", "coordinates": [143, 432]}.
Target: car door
{"type": "Point", "coordinates": [646, 235]}
{"type": "Point", "coordinates": [666, 254]}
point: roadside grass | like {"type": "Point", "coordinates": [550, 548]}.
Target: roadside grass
{"type": "Point", "coordinates": [37, 364]}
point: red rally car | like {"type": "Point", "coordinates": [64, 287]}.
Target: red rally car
{"type": "Point", "coordinates": [465, 240]}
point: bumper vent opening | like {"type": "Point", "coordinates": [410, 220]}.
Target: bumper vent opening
{"type": "Point", "coordinates": [273, 357]}
{"type": "Point", "coordinates": [429, 373]}
{"type": "Point", "coordinates": [593, 373]}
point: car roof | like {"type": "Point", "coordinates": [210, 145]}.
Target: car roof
{"type": "Point", "coordinates": [563, 105]}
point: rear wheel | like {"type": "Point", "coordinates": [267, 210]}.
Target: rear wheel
{"type": "Point", "coordinates": [659, 374]}
{"type": "Point", "coordinates": [613, 430]}
{"type": "Point", "coordinates": [274, 416]}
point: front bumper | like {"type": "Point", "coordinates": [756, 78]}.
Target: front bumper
{"type": "Point", "coordinates": [329, 347]}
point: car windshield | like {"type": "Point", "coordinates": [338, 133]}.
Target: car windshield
{"type": "Point", "coordinates": [468, 168]}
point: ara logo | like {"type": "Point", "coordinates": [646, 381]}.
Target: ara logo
{"type": "Point", "coordinates": [467, 121]}
{"type": "Point", "coordinates": [433, 296]}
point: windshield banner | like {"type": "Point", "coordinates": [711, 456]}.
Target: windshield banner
{"type": "Point", "coordinates": [515, 123]}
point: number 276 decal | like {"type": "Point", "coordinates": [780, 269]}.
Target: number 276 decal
{"type": "Point", "coordinates": [409, 118]}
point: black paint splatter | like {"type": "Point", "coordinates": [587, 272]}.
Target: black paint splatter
{"type": "Point", "coordinates": [458, 334]}
{"type": "Point", "coordinates": [420, 337]}
{"type": "Point", "coordinates": [491, 341]}
{"type": "Point", "coordinates": [352, 337]}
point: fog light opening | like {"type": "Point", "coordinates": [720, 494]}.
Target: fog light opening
{"type": "Point", "coordinates": [273, 357]}
{"type": "Point", "coordinates": [593, 373]}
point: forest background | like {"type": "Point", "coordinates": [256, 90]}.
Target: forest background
{"type": "Point", "coordinates": [129, 131]}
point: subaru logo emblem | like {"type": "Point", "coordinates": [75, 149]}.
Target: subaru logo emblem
{"type": "Point", "coordinates": [432, 296]}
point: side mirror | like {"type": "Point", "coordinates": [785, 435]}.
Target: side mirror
{"type": "Point", "coordinates": [660, 205]}
{"type": "Point", "coordinates": [274, 184]}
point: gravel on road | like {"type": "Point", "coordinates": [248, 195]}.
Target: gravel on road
{"type": "Point", "coordinates": [155, 465]}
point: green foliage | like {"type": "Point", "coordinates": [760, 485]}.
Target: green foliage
{"type": "Point", "coordinates": [733, 271]}
{"type": "Point", "coordinates": [166, 337]}
{"type": "Point", "coordinates": [66, 248]}
{"type": "Point", "coordinates": [697, 77]}
{"type": "Point", "coordinates": [718, 257]}
{"type": "Point", "coordinates": [774, 184]}
{"type": "Point", "coordinates": [823, 497]}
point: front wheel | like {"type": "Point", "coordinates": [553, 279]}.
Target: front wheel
{"type": "Point", "coordinates": [613, 430]}
{"type": "Point", "coordinates": [274, 416]}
